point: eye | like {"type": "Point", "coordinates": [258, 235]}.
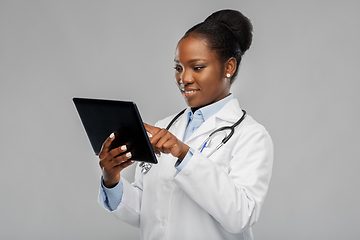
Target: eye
{"type": "Point", "coordinates": [199, 68]}
{"type": "Point", "coordinates": [178, 68]}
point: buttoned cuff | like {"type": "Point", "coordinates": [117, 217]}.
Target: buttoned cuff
{"type": "Point", "coordinates": [179, 165]}
{"type": "Point", "coordinates": [112, 196]}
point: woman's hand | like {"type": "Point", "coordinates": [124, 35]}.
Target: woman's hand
{"type": "Point", "coordinates": [113, 162]}
{"type": "Point", "coordinates": [163, 141]}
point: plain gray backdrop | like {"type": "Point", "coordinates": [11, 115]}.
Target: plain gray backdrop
{"type": "Point", "coordinates": [300, 79]}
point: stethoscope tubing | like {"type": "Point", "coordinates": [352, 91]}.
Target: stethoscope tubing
{"type": "Point", "coordinates": [225, 139]}
{"type": "Point", "coordinates": [145, 167]}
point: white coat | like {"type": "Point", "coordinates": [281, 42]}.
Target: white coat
{"type": "Point", "coordinates": [211, 198]}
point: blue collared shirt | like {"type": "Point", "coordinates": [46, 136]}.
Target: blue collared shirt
{"type": "Point", "coordinates": [204, 112]}
{"type": "Point", "coordinates": [112, 196]}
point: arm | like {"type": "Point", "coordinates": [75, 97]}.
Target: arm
{"type": "Point", "coordinates": [112, 163]}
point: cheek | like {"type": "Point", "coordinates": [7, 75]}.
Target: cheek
{"type": "Point", "coordinates": [177, 77]}
{"type": "Point", "coordinates": [210, 83]}
{"type": "Point", "coordinates": [177, 83]}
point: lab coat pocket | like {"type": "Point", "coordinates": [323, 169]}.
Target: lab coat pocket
{"type": "Point", "coordinates": [221, 157]}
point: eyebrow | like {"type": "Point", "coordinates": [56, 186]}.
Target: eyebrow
{"type": "Point", "coordinates": [191, 61]}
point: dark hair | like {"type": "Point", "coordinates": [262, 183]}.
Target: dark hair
{"type": "Point", "coordinates": [228, 32]}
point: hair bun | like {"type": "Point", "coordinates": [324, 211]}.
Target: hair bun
{"type": "Point", "coordinates": [238, 23]}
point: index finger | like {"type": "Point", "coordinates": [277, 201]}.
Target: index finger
{"type": "Point", "coordinates": [151, 129]}
{"type": "Point", "coordinates": [105, 147]}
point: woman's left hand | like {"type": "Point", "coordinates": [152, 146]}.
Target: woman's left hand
{"type": "Point", "coordinates": [163, 141]}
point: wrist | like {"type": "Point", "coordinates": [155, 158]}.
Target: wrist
{"type": "Point", "coordinates": [110, 183]}
{"type": "Point", "coordinates": [184, 152]}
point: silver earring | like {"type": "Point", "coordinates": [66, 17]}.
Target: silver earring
{"type": "Point", "coordinates": [228, 75]}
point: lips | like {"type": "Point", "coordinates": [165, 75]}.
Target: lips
{"type": "Point", "coordinates": [189, 92]}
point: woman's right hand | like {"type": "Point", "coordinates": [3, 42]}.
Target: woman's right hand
{"type": "Point", "coordinates": [113, 162]}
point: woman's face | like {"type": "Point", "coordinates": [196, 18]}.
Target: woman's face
{"type": "Point", "coordinates": [199, 73]}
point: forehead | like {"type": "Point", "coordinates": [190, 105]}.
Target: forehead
{"type": "Point", "coordinates": [190, 48]}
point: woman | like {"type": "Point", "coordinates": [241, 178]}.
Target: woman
{"type": "Point", "coordinates": [190, 194]}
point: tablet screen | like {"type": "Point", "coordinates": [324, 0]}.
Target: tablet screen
{"type": "Point", "coordinates": [101, 117]}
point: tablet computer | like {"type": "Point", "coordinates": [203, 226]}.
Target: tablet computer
{"type": "Point", "coordinates": [102, 117]}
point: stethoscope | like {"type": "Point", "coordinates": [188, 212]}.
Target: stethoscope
{"type": "Point", "coordinates": [145, 167]}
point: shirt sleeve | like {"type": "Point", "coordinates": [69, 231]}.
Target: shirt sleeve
{"type": "Point", "coordinates": [111, 197]}
{"type": "Point", "coordinates": [179, 165]}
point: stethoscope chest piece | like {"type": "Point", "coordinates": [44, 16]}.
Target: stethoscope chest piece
{"type": "Point", "coordinates": [145, 167]}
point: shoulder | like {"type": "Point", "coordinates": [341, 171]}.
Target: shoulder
{"type": "Point", "coordinates": [232, 112]}
{"type": "Point", "coordinates": [252, 126]}
{"type": "Point", "coordinates": [249, 127]}
{"type": "Point", "coordinates": [253, 137]}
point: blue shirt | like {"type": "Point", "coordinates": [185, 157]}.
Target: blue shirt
{"type": "Point", "coordinates": [112, 196]}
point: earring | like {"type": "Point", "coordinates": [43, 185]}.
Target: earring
{"type": "Point", "coordinates": [228, 75]}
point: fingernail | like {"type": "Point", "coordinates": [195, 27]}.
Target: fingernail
{"type": "Point", "coordinates": [112, 135]}
{"type": "Point", "coordinates": [158, 154]}
{"type": "Point", "coordinates": [128, 154]}
{"type": "Point", "coordinates": [132, 161]}
{"type": "Point", "coordinates": [123, 147]}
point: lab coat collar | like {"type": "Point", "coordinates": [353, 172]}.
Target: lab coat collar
{"type": "Point", "coordinates": [231, 112]}
{"type": "Point", "coordinates": [213, 108]}
{"type": "Point", "coordinates": [179, 125]}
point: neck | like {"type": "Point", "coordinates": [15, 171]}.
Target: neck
{"type": "Point", "coordinates": [193, 109]}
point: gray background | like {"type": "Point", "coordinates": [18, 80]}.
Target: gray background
{"type": "Point", "coordinates": [300, 79]}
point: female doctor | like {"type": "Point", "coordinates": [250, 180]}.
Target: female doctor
{"type": "Point", "coordinates": [194, 192]}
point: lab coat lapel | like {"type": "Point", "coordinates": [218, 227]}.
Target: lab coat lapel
{"type": "Point", "coordinates": [178, 128]}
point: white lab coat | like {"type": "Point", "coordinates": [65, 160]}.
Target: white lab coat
{"type": "Point", "coordinates": [211, 198]}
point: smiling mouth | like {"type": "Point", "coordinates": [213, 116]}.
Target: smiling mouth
{"type": "Point", "coordinates": [189, 91]}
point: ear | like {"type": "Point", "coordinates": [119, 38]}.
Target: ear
{"type": "Point", "coordinates": [230, 67]}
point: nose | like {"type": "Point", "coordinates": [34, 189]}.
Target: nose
{"type": "Point", "coordinates": [186, 78]}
